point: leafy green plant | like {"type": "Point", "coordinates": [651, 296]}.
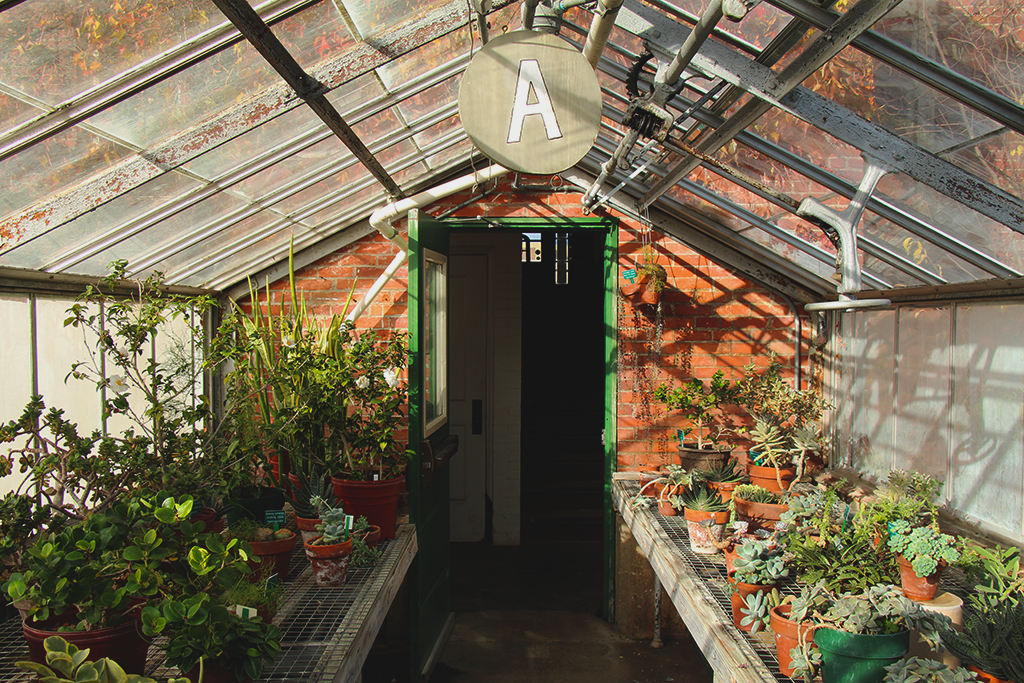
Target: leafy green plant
{"type": "Point", "coordinates": [844, 557]}
{"type": "Point", "coordinates": [253, 594]}
{"type": "Point", "coordinates": [920, 670]}
{"type": "Point", "coordinates": [1000, 580]}
{"type": "Point", "coordinates": [904, 495]}
{"type": "Point", "coordinates": [924, 546]}
{"type": "Point", "coordinates": [313, 481]}
{"type": "Point", "coordinates": [65, 663]}
{"type": "Point", "coordinates": [363, 555]}
{"type": "Point", "coordinates": [699, 497]}
{"type": "Point", "coordinates": [756, 609]}
{"type": "Point", "coordinates": [759, 562]}
{"type": "Point", "coordinates": [697, 402]}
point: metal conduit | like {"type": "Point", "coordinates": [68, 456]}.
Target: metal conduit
{"type": "Point", "coordinates": [600, 28]}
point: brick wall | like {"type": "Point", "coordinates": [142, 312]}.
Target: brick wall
{"type": "Point", "coordinates": [710, 317]}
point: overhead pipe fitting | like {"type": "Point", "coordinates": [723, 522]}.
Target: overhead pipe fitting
{"type": "Point", "coordinates": [381, 220]}
{"type": "Point", "coordinates": [600, 28]}
{"type": "Point", "coordinates": [482, 7]}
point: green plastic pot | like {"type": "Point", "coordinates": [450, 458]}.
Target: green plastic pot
{"type": "Point", "coordinates": [856, 658]}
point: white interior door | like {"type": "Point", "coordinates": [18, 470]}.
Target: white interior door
{"type": "Point", "coordinates": [467, 373]}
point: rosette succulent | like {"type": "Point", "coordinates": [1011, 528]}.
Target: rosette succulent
{"type": "Point", "coordinates": [923, 546]}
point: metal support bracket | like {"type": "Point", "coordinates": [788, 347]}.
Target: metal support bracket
{"type": "Point", "coordinates": [841, 229]}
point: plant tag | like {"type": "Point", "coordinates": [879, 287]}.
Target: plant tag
{"type": "Point", "coordinates": [243, 611]}
{"type": "Point", "coordinates": [275, 517]}
{"type": "Point", "coordinates": [271, 583]}
{"type": "Point", "coordinates": [630, 275]}
{"type": "Point", "coordinates": [349, 522]}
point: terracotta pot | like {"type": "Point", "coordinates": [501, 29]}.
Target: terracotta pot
{"type": "Point", "coordinates": [732, 550]}
{"type": "Point", "coordinates": [765, 476]}
{"type": "Point", "coordinates": [701, 537]}
{"type": "Point", "coordinates": [307, 527]}
{"type": "Point", "coordinates": [125, 644]}
{"type": "Point", "coordinates": [665, 508]}
{"type": "Point", "coordinates": [986, 677]}
{"type": "Point", "coordinates": [652, 473]}
{"type": "Point", "coordinates": [693, 458]}
{"type": "Point", "coordinates": [330, 562]}
{"type": "Point", "coordinates": [918, 588]}
{"type": "Point", "coordinates": [788, 635]}
{"type": "Point", "coordinates": [277, 554]}
{"type": "Point", "coordinates": [215, 673]}
{"type": "Point", "coordinates": [208, 516]}
{"type": "Point", "coordinates": [739, 596]}
{"type": "Point", "coordinates": [375, 500]}
{"type": "Point", "coordinates": [760, 515]}
{"type": "Point", "coordinates": [370, 536]}
{"type": "Point", "coordinates": [724, 488]}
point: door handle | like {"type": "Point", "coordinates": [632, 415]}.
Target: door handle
{"type": "Point", "coordinates": [430, 461]}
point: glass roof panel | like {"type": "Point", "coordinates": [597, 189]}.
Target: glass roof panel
{"type": "Point", "coordinates": [57, 244]}
{"type": "Point", "coordinates": [358, 92]}
{"type": "Point", "coordinates": [999, 159]}
{"type": "Point", "coordinates": [377, 126]}
{"type": "Point", "coordinates": [56, 163]}
{"type": "Point", "coordinates": [426, 102]}
{"type": "Point", "coordinates": [188, 98]}
{"type": "Point", "coordinates": [436, 53]}
{"type": "Point", "coordinates": [244, 148]}
{"type": "Point", "coordinates": [337, 183]}
{"type": "Point", "coordinates": [315, 34]}
{"type": "Point", "coordinates": [461, 150]}
{"type": "Point", "coordinates": [167, 230]}
{"type": "Point", "coordinates": [758, 27]}
{"type": "Point", "coordinates": [297, 165]}
{"type": "Point", "coordinates": [14, 112]}
{"type": "Point", "coordinates": [437, 131]}
{"type": "Point", "coordinates": [55, 49]}
{"type": "Point", "coordinates": [372, 17]}
{"type": "Point", "coordinates": [982, 41]}
{"type": "Point", "coordinates": [342, 202]}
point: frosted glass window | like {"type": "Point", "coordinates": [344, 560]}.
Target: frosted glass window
{"type": "Point", "coordinates": [988, 414]}
{"type": "Point", "coordinates": [58, 348]}
{"type": "Point", "coordinates": [869, 364]}
{"type": "Point", "coordinates": [16, 360]}
{"type": "Point", "coordinates": [923, 391]}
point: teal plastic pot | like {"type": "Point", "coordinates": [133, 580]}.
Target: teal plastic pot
{"type": "Point", "coordinates": [855, 658]}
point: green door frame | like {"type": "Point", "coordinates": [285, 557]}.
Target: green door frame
{"type": "Point", "coordinates": [611, 248]}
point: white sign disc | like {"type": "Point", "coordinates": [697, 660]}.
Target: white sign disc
{"type": "Point", "coordinates": [531, 102]}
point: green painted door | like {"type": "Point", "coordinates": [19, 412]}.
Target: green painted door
{"type": "Point", "coordinates": [430, 593]}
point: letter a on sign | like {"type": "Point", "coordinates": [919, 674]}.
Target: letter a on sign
{"type": "Point", "coordinates": [531, 78]}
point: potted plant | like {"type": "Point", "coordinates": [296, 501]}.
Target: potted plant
{"type": "Point", "coordinates": [698, 404]}
{"type": "Point", "coordinates": [786, 428]}
{"type": "Point", "coordinates": [271, 549]}
{"type": "Point", "coordinates": [920, 670]}
{"type": "Point", "coordinates": [790, 622]}
{"type": "Point", "coordinates": [329, 553]}
{"type": "Point", "coordinates": [723, 478]}
{"type": "Point", "coordinates": [757, 505]}
{"type": "Point", "coordinates": [263, 597]}
{"type": "Point", "coordinates": [758, 567]}
{"type": "Point", "coordinates": [706, 516]}
{"type": "Point", "coordinates": [858, 635]}
{"type": "Point", "coordinates": [308, 481]}
{"type": "Point", "coordinates": [651, 279]}
{"type": "Point", "coordinates": [904, 495]}
{"type": "Point", "coordinates": [674, 482]}
{"type": "Point", "coordinates": [922, 554]}
{"type": "Point", "coordinates": [991, 641]}
{"type": "Point", "coordinates": [368, 533]}
{"type": "Point", "coordinates": [364, 555]}
{"type": "Point", "coordinates": [71, 665]}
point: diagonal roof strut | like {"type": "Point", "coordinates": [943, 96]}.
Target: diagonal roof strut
{"type": "Point", "coordinates": [256, 31]}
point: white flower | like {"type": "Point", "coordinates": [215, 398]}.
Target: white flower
{"type": "Point", "coordinates": [117, 384]}
{"type": "Point", "coordinates": [362, 382]}
{"type": "Point", "coordinates": [288, 341]}
{"type": "Point", "coordinates": [391, 377]}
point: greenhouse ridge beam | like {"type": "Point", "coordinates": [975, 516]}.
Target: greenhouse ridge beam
{"type": "Point", "coordinates": [256, 31]}
{"type": "Point", "coordinates": [60, 208]}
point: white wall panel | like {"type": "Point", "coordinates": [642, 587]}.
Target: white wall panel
{"type": "Point", "coordinates": [16, 362]}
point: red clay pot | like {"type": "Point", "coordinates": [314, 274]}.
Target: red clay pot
{"type": "Point", "coordinates": [307, 527]}
{"type": "Point", "coordinates": [918, 588]}
{"type": "Point", "coordinates": [665, 508]}
{"type": "Point", "coordinates": [986, 677]}
{"type": "Point", "coordinates": [208, 516]}
{"type": "Point", "coordinates": [760, 515]}
{"type": "Point", "coordinates": [375, 500]}
{"type": "Point", "coordinates": [277, 553]}
{"type": "Point", "coordinates": [765, 476]}
{"type": "Point", "coordinates": [701, 537]}
{"type": "Point", "coordinates": [330, 562]}
{"type": "Point", "coordinates": [370, 536]}
{"type": "Point", "coordinates": [788, 634]}
{"type": "Point", "coordinates": [739, 596]}
{"type": "Point", "coordinates": [724, 488]}
{"type": "Point", "coordinates": [125, 643]}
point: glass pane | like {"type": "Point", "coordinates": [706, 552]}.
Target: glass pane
{"type": "Point", "coordinates": [372, 17]}
{"type": "Point", "coordinates": [16, 359]}
{"type": "Point", "coordinates": [435, 305]}
{"type": "Point", "coordinates": [998, 159]}
{"type": "Point", "coordinates": [55, 49]}
{"type": "Point", "coordinates": [867, 405]}
{"type": "Point", "coordinates": [315, 34]}
{"type": "Point", "coordinates": [356, 93]}
{"type": "Point", "coordinates": [14, 112]}
{"type": "Point", "coordinates": [981, 42]}
{"type": "Point", "coordinates": [67, 158]}
{"type": "Point", "coordinates": [231, 268]}
{"type": "Point", "coordinates": [56, 244]}
{"type": "Point", "coordinates": [295, 166]}
{"type": "Point", "coordinates": [923, 392]}
{"type": "Point", "coordinates": [460, 151]}
{"type": "Point", "coordinates": [437, 52]}
{"type": "Point", "coordinates": [366, 190]}
{"type": "Point", "coordinates": [988, 416]}
{"type": "Point", "coordinates": [428, 101]}
{"type": "Point", "coordinates": [338, 183]}
{"type": "Point", "coordinates": [758, 27]}
{"type": "Point", "coordinates": [190, 97]}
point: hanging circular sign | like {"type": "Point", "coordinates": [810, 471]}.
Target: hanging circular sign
{"type": "Point", "coordinates": [531, 102]}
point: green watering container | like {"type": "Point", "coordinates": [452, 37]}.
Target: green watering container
{"type": "Point", "coordinates": [855, 658]}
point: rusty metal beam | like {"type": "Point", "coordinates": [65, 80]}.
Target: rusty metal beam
{"type": "Point", "coordinates": [64, 206]}
{"type": "Point", "coordinates": [256, 31]}
{"type": "Point", "coordinates": [857, 19]}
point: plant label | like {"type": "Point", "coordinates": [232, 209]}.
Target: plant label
{"type": "Point", "coordinates": [275, 517]}
{"type": "Point", "coordinates": [630, 275]}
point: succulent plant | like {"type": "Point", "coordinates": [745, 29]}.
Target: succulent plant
{"type": "Point", "coordinates": [919, 670]}
{"type": "Point", "coordinates": [699, 497]}
{"type": "Point", "coordinates": [992, 640]}
{"type": "Point", "coordinates": [756, 494]}
{"type": "Point", "coordinates": [759, 562]}
{"type": "Point", "coordinates": [756, 609]}
{"type": "Point", "coordinates": [923, 546]}
{"type": "Point", "coordinates": [65, 663]}
{"type": "Point", "coordinates": [727, 472]}
{"type": "Point", "coordinates": [333, 525]}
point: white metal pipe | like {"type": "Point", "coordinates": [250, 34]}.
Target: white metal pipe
{"type": "Point", "coordinates": [382, 219]}
{"type": "Point", "coordinates": [529, 11]}
{"type": "Point", "coordinates": [600, 29]}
